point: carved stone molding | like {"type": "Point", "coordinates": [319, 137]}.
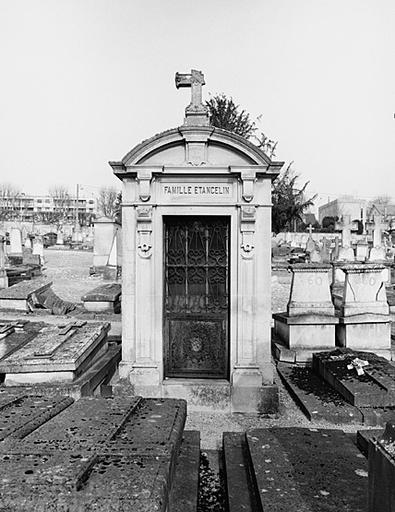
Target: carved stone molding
{"type": "Point", "coordinates": [248, 178]}
{"type": "Point", "coordinates": [144, 231]}
{"type": "Point", "coordinates": [247, 228]}
{"type": "Point", "coordinates": [144, 177]}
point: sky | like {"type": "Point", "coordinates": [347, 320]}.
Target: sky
{"type": "Point", "coordinates": [84, 81]}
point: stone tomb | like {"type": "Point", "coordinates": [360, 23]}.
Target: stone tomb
{"type": "Point", "coordinates": [54, 355]}
{"type": "Point", "coordinates": [309, 323]}
{"type": "Point", "coordinates": [375, 387]}
{"type": "Point", "coordinates": [103, 298]}
{"type": "Point", "coordinates": [196, 268]}
{"type": "Point", "coordinates": [364, 320]}
{"type": "Point", "coordinates": [21, 296]}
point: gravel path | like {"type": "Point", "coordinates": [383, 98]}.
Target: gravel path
{"type": "Point", "coordinates": [69, 271]}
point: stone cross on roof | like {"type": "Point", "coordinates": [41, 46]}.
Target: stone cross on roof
{"type": "Point", "coordinates": [196, 113]}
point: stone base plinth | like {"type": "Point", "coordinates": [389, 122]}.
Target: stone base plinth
{"type": "Point", "coordinates": [250, 395]}
{"type": "Point", "coordinates": [367, 332]}
{"type": "Point", "coordinates": [245, 394]}
{"type": "Point", "coordinates": [305, 334]}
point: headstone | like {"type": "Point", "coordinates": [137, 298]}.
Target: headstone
{"type": "Point", "coordinates": [362, 251]}
{"type": "Point", "coordinates": [113, 256]}
{"type": "Point", "coordinates": [364, 311]}
{"type": "Point", "coordinates": [335, 253]}
{"type": "Point", "coordinates": [377, 254]}
{"type": "Point", "coordinates": [38, 248]}
{"type": "Point", "coordinates": [106, 257]}
{"type": "Point", "coordinates": [24, 234]}
{"type": "Point", "coordinates": [310, 245]}
{"type": "Point", "coordinates": [315, 256]}
{"type": "Point", "coordinates": [325, 251]}
{"type": "Point", "coordinates": [3, 273]}
{"type": "Point", "coordinates": [15, 242]}
{"type": "Point", "coordinates": [28, 242]}
{"type": "Point", "coordinates": [346, 254]}
{"type": "Point", "coordinates": [60, 237]}
{"type": "Point", "coordinates": [309, 323]}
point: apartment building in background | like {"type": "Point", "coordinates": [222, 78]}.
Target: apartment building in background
{"type": "Point", "coordinates": [24, 207]}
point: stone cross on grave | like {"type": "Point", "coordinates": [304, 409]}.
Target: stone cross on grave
{"type": "Point", "coordinates": [196, 113]}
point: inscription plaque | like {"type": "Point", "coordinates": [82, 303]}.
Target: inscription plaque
{"type": "Point", "coordinates": [196, 192]}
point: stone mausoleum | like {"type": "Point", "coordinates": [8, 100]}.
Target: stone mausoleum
{"type": "Point", "coordinates": [196, 275]}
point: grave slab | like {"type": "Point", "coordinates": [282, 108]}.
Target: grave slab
{"type": "Point", "coordinates": [184, 492]}
{"type": "Point", "coordinates": [381, 456]}
{"type": "Point", "coordinates": [23, 414]}
{"type": "Point", "coordinates": [298, 469]}
{"type": "Point", "coordinates": [20, 296]}
{"type": "Point", "coordinates": [67, 463]}
{"type": "Point", "coordinates": [84, 426]}
{"type": "Point", "coordinates": [241, 492]}
{"type": "Point", "coordinates": [56, 355]}
{"type": "Point", "coordinates": [375, 388]}
{"type": "Point", "coordinates": [317, 399]}
{"type": "Point", "coordinates": [103, 298]}
{"type": "Point", "coordinates": [364, 436]}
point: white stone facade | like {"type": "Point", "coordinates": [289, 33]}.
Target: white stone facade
{"type": "Point", "coordinates": [197, 171]}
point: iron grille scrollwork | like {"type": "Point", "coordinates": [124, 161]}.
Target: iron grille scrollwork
{"type": "Point", "coordinates": [196, 295]}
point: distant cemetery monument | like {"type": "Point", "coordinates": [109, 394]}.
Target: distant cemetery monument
{"type": "Point", "coordinates": [196, 269]}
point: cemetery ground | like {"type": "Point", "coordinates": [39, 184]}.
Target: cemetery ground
{"type": "Point", "coordinates": [299, 464]}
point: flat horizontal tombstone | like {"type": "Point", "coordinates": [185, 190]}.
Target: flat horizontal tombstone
{"type": "Point", "coordinates": [381, 457]}
{"type": "Point", "coordinates": [56, 354]}
{"type": "Point", "coordinates": [20, 296]}
{"type": "Point", "coordinates": [103, 298]}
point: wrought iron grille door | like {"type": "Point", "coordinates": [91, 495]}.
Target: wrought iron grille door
{"type": "Point", "coordinates": [196, 298]}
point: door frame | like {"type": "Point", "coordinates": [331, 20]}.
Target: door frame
{"type": "Point", "coordinates": [199, 316]}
